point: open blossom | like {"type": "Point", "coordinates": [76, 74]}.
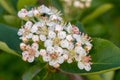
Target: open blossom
{"type": "Point", "coordinates": [22, 13]}
{"type": "Point", "coordinates": [54, 56]}
{"type": "Point", "coordinates": [30, 52]}
{"type": "Point", "coordinates": [45, 35]}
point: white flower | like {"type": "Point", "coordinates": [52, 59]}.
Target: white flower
{"type": "Point", "coordinates": [48, 43]}
{"type": "Point", "coordinates": [64, 44]}
{"type": "Point", "coordinates": [25, 55]}
{"type": "Point", "coordinates": [22, 46]}
{"type": "Point", "coordinates": [42, 52]}
{"type": "Point", "coordinates": [53, 58]}
{"type": "Point", "coordinates": [42, 37]}
{"type": "Point", "coordinates": [58, 49]}
{"type": "Point", "coordinates": [84, 63]}
{"type": "Point", "coordinates": [30, 13]}
{"type": "Point", "coordinates": [51, 34]}
{"type": "Point", "coordinates": [30, 35]}
{"type": "Point", "coordinates": [31, 59]}
{"type": "Point", "coordinates": [69, 37]}
{"type": "Point", "coordinates": [22, 13]}
{"type": "Point", "coordinates": [44, 9]}
{"type": "Point", "coordinates": [28, 24]}
{"type": "Point", "coordinates": [34, 28]}
{"type": "Point", "coordinates": [71, 46]}
{"type": "Point", "coordinates": [77, 37]}
{"type": "Point", "coordinates": [79, 50]}
{"type": "Point", "coordinates": [55, 17]}
{"type": "Point", "coordinates": [35, 46]}
{"type": "Point", "coordinates": [61, 34]}
{"type": "Point", "coordinates": [20, 32]}
{"type": "Point", "coordinates": [31, 52]}
{"type": "Point", "coordinates": [58, 28]}
{"type": "Point", "coordinates": [35, 38]}
{"type": "Point", "coordinates": [50, 49]}
{"type": "Point", "coordinates": [36, 12]}
{"type": "Point", "coordinates": [69, 28]}
{"type": "Point", "coordinates": [51, 24]}
{"type": "Point", "coordinates": [88, 46]}
{"type": "Point", "coordinates": [69, 60]}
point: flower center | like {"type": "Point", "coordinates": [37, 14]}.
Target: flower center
{"type": "Point", "coordinates": [86, 59]}
{"type": "Point", "coordinates": [31, 52]}
{"type": "Point", "coordinates": [56, 41]}
{"type": "Point", "coordinates": [54, 56]}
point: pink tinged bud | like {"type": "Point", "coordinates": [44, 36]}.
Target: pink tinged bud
{"type": "Point", "coordinates": [78, 43]}
{"type": "Point", "coordinates": [36, 12]}
{"type": "Point", "coordinates": [69, 38]}
{"type": "Point", "coordinates": [58, 28]}
{"type": "Point", "coordinates": [56, 65]}
{"type": "Point", "coordinates": [24, 39]}
{"type": "Point", "coordinates": [35, 38]}
{"type": "Point", "coordinates": [35, 46]}
{"type": "Point", "coordinates": [42, 52]}
{"type": "Point", "coordinates": [22, 46]}
{"type": "Point", "coordinates": [69, 61]}
{"type": "Point", "coordinates": [22, 13]}
{"type": "Point", "coordinates": [65, 56]}
{"type": "Point", "coordinates": [53, 17]}
{"type": "Point", "coordinates": [75, 29]}
{"type": "Point", "coordinates": [86, 59]}
{"type": "Point", "coordinates": [25, 55]}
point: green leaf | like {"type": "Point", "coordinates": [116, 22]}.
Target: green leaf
{"type": "Point", "coordinates": [24, 3]}
{"type": "Point", "coordinates": [94, 77]}
{"type": "Point", "coordinates": [9, 36]}
{"type": "Point", "coordinates": [5, 48]}
{"type": "Point", "coordinates": [32, 72]}
{"type": "Point", "coordinates": [105, 57]}
{"type": "Point", "coordinates": [9, 8]}
{"type": "Point", "coordinates": [117, 75]}
{"type": "Point", "coordinates": [108, 75]}
{"type": "Point", "coordinates": [58, 5]}
{"type": "Point", "coordinates": [11, 20]}
{"type": "Point", "coordinates": [99, 11]}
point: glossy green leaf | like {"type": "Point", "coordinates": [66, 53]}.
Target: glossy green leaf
{"type": "Point", "coordinates": [32, 72]}
{"type": "Point", "coordinates": [105, 57]}
{"type": "Point", "coordinates": [9, 8]}
{"type": "Point", "coordinates": [9, 36]}
{"type": "Point", "coordinates": [99, 11]}
{"type": "Point", "coordinates": [108, 75]}
{"type": "Point", "coordinates": [94, 77]}
{"type": "Point", "coordinates": [24, 3]}
{"type": "Point", "coordinates": [116, 75]}
{"type": "Point", "coordinates": [5, 48]}
{"type": "Point", "coordinates": [57, 4]}
{"type": "Point", "coordinates": [11, 20]}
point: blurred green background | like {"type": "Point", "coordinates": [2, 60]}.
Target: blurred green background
{"type": "Point", "coordinates": [101, 19]}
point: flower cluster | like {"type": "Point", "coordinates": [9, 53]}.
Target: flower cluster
{"type": "Point", "coordinates": [61, 42]}
{"type": "Point", "coordinates": [79, 3]}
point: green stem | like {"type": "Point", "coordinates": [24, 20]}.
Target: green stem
{"type": "Point", "coordinates": [9, 8]}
